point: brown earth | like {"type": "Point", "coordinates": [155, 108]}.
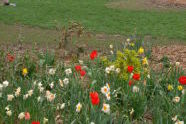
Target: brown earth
{"type": "Point", "coordinates": [147, 4]}
{"type": "Point", "coordinates": [176, 53]}
{"type": "Point", "coordinates": [170, 3]}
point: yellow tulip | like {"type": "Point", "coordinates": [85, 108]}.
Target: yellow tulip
{"type": "Point", "coordinates": [170, 87]}
{"type": "Point", "coordinates": [24, 71]}
{"type": "Point", "coordinates": [180, 88]}
{"type": "Point", "coordinates": [141, 50]}
{"type": "Point", "coordinates": [145, 61]}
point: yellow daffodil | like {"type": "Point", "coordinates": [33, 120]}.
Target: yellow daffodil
{"type": "Point", "coordinates": [24, 71]}
{"type": "Point", "coordinates": [141, 50]}
{"type": "Point", "coordinates": [132, 44]}
{"type": "Point", "coordinates": [145, 61]}
{"type": "Point", "coordinates": [180, 88]}
{"type": "Point", "coordinates": [170, 87]}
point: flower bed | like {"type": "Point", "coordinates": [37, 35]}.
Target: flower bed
{"type": "Point", "coordinates": [118, 88]}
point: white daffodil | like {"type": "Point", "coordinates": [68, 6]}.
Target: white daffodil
{"type": "Point", "coordinates": [111, 46]}
{"type": "Point", "coordinates": [62, 106]}
{"type": "Point", "coordinates": [78, 107]}
{"type": "Point", "coordinates": [108, 96]}
{"type": "Point", "coordinates": [135, 89]}
{"type": "Point", "coordinates": [92, 123]}
{"type": "Point", "coordinates": [108, 85]}
{"type": "Point", "coordinates": [10, 97]}
{"type": "Point", "coordinates": [183, 91]}
{"type": "Point", "coordinates": [7, 108]}
{"type": "Point", "coordinates": [45, 120]}
{"type": "Point", "coordinates": [52, 71]}
{"type": "Point", "coordinates": [179, 122]}
{"type": "Point", "coordinates": [30, 92]}
{"type": "Point", "coordinates": [177, 64]}
{"type": "Point", "coordinates": [107, 70]}
{"type": "Point", "coordinates": [112, 68]}
{"type": "Point", "coordinates": [40, 84]}
{"type": "Point", "coordinates": [128, 40]}
{"type": "Point", "coordinates": [50, 96]}
{"type": "Point", "coordinates": [111, 52]}
{"type": "Point", "coordinates": [84, 67]}
{"type": "Point", "coordinates": [132, 111]}
{"type": "Point", "coordinates": [131, 75]}
{"type": "Point", "coordinates": [52, 85]}
{"type": "Point", "coordinates": [41, 89]}
{"type": "Point", "coordinates": [66, 81]}
{"type": "Point", "coordinates": [68, 71]}
{"type": "Point", "coordinates": [61, 83]}
{"type": "Point", "coordinates": [105, 90]}
{"type": "Point", "coordinates": [81, 62]}
{"type": "Point", "coordinates": [176, 99]}
{"type": "Point", "coordinates": [5, 83]}
{"type": "Point", "coordinates": [21, 115]}
{"type": "Point", "coordinates": [1, 87]}
{"type": "Point", "coordinates": [106, 108]}
{"type": "Point", "coordinates": [17, 92]}
{"type": "Point", "coordinates": [174, 118]}
{"type": "Point", "coordinates": [35, 82]}
{"type": "Point", "coordinates": [9, 113]}
{"type": "Point", "coordinates": [39, 99]}
{"type": "Point", "coordinates": [148, 76]}
{"type": "Point", "coordinates": [25, 96]}
{"type": "Point", "coordinates": [118, 70]}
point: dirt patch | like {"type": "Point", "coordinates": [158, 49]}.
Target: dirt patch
{"type": "Point", "coordinates": [147, 4]}
{"type": "Point", "coordinates": [170, 3]}
{"type": "Point", "coordinates": [175, 53]}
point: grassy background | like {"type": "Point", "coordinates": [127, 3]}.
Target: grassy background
{"type": "Point", "coordinates": [96, 17]}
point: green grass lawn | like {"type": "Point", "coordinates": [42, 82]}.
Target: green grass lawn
{"type": "Point", "coordinates": [96, 17]}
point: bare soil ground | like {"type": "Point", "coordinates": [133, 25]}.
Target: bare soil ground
{"type": "Point", "coordinates": [147, 4]}
{"type": "Point", "coordinates": [176, 53]}
{"type": "Point", "coordinates": [170, 3]}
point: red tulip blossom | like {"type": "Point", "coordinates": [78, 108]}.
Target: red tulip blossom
{"type": "Point", "coordinates": [10, 57]}
{"type": "Point", "coordinates": [93, 54]}
{"type": "Point", "coordinates": [130, 83]}
{"type": "Point", "coordinates": [182, 80]}
{"type": "Point", "coordinates": [130, 69]}
{"type": "Point", "coordinates": [35, 122]}
{"type": "Point", "coordinates": [78, 68]}
{"type": "Point", "coordinates": [82, 73]}
{"type": "Point", "coordinates": [94, 98]}
{"type": "Point", "coordinates": [136, 77]}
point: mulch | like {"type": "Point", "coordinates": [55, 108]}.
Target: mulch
{"type": "Point", "coordinates": [175, 53]}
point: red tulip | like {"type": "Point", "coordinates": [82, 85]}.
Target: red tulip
{"type": "Point", "coordinates": [10, 58]}
{"type": "Point", "coordinates": [35, 122]}
{"type": "Point", "coordinates": [130, 69]}
{"type": "Point", "coordinates": [182, 80]}
{"type": "Point", "coordinates": [93, 54]}
{"type": "Point", "coordinates": [78, 68]}
{"type": "Point", "coordinates": [136, 77]}
{"type": "Point", "coordinates": [82, 73]}
{"type": "Point", "coordinates": [130, 83]}
{"type": "Point", "coordinates": [94, 98]}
